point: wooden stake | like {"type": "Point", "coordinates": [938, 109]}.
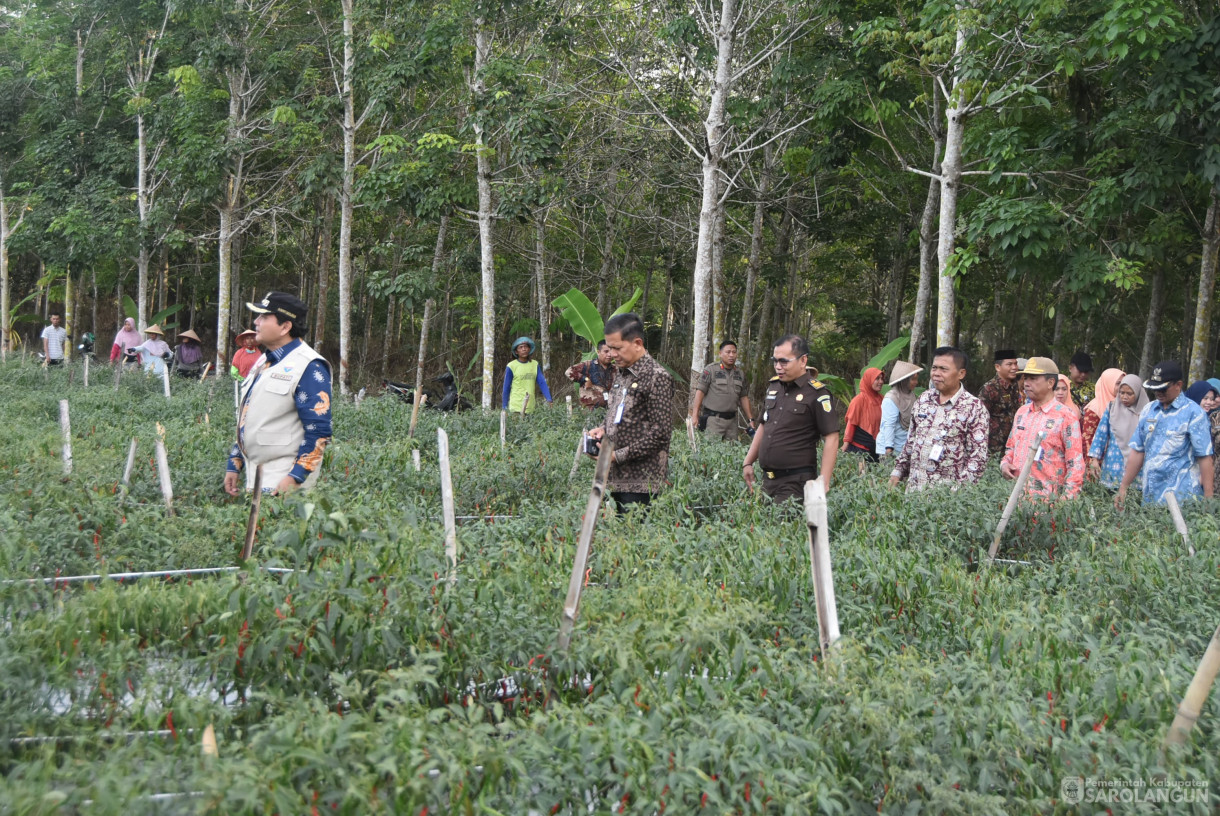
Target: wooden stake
{"type": "Point", "coordinates": [1015, 495]}
{"type": "Point", "coordinates": [65, 427]}
{"type": "Point", "coordinates": [256, 504]}
{"type": "Point", "coordinates": [1196, 695]}
{"type": "Point", "coordinates": [442, 446]}
{"type": "Point", "coordinates": [131, 463]}
{"type": "Point", "coordinates": [419, 363]}
{"type": "Point", "coordinates": [568, 398]}
{"type": "Point", "coordinates": [203, 377]}
{"type": "Point", "coordinates": [118, 372]}
{"type": "Point", "coordinates": [208, 744]}
{"type": "Point", "coordinates": [1178, 521]}
{"type": "Point", "coordinates": [571, 605]}
{"type": "Point", "coordinates": [86, 385]}
{"type": "Point", "coordinates": [418, 402]}
{"type": "Point", "coordinates": [415, 459]}
{"type": "Point", "coordinates": [503, 426]}
{"type": "Point", "coordinates": [165, 380]}
{"type": "Point", "coordinates": [580, 448]}
{"type": "Point", "coordinates": [167, 489]}
{"type": "Point", "coordinates": [690, 435]}
{"type": "Point", "coordinates": [819, 560]}
{"type": "Point", "coordinates": [525, 405]}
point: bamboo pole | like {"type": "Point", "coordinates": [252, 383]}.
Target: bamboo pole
{"type": "Point", "coordinates": [86, 385]}
{"type": "Point", "coordinates": [580, 448]}
{"type": "Point", "coordinates": [568, 399]}
{"type": "Point", "coordinates": [131, 576]}
{"type": "Point", "coordinates": [819, 561]}
{"type": "Point", "coordinates": [1180, 523]}
{"type": "Point", "coordinates": [208, 744]}
{"type": "Point", "coordinates": [525, 405]}
{"type": "Point", "coordinates": [690, 435]}
{"type": "Point", "coordinates": [442, 446]}
{"type": "Point", "coordinates": [571, 605]}
{"type": "Point", "coordinates": [167, 489]}
{"type": "Point", "coordinates": [165, 380]}
{"type": "Point", "coordinates": [415, 459]}
{"type": "Point", "coordinates": [206, 369]}
{"type": "Point", "coordinates": [419, 364]}
{"type": "Point", "coordinates": [256, 504]}
{"type": "Point", "coordinates": [503, 425]}
{"type": "Point", "coordinates": [131, 463]}
{"type": "Point", "coordinates": [420, 401]}
{"type": "Point", "coordinates": [65, 427]}
{"type": "Point", "coordinates": [1015, 495]}
{"type": "Point", "coordinates": [1192, 704]}
{"type": "Point", "coordinates": [118, 373]}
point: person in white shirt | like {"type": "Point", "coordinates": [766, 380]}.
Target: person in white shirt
{"type": "Point", "coordinates": [54, 339]}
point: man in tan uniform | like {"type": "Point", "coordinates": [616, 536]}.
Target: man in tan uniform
{"type": "Point", "coordinates": [284, 422]}
{"type": "Point", "coordinates": [721, 388]}
{"type": "Point", "coordinates": [797, 413]}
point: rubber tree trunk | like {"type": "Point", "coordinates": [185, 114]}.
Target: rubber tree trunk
{"type": "Point", "coordinates": [754, 265]}
{"type": "Point", "coordinates": [1156, 310]}
{"type": "Point", "coordinates": [714, 128]}
{"type": "Point", "coordinates": [544, 305]}
{"type": "Point", "coordinates": [6, 231]}
{"type": "Point", "coordinates": [950, 182]}
{"type": "Point", "coordinates": [323, 283]}
{"type": "Point", "coordinates": [1201, 345]}
{"type": "Point", "coordinates": [487, 266]}
{"type": "Point", "coordinates": [720, 301]}
{"type": "Point", "coordinates": [345, 201]}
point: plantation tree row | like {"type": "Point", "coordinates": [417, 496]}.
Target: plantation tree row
{"type": "Point", "coordinates": [995, 173]}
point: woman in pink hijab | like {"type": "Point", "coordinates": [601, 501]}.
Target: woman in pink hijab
{"type": "Point", "coordinates": [126, 338]}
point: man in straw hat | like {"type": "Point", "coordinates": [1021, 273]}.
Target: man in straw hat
{"type": "Point", "coordinates": [284, 422]}
{"type": "Point", "coordinates": [188, 357]}
{"type": "Point", "coordinates": [948, 436]}
{"type": "Point", "coordinates": [897, 407]}
{"type": "Point", "coordinates": [1002, 396]}
{"type": "Point", "coordinates": [1058, 469]}
{"type": "Point", "coordinates": [246, 355]}
{"type": "Point", "coordinates": [1172, 443]}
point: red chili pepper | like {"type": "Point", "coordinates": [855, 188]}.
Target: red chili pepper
{"type": "Point", "coordinates": [169, 723]}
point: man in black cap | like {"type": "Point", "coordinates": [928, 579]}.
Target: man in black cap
{"type": "Point", "coordinates": [1079, 370]}
{"type": "Point", "coordinates": [284, 421]}
{"type": "Point", "coordinates": [1002, 396]}
{"type": "Point", "coordinates": [1171, 449]}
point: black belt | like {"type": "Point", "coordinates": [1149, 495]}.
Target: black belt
{"type": "Point", "coordinates": [782, 472]}
{"type": "Point", "coordinates": [721, 414]}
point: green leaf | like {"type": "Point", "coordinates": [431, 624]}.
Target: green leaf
{"type": "Point", "coordinates": [162, 315]}
{"type": "Point", "coordinates": [630, 304]}
{"type": "Point", "coordinates": [892, 351]}
{"type": "Point", "coordinates": [129, 308]}
{"type": "Point", "coordinates": [581, 314]}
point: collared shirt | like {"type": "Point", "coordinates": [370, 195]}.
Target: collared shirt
{"type": "Point", "coordinates": [1058, 469]}
{"type": "Point", "coordinates": [1083, 393]}
{"type": "Point", "coordinates": [892, 434]}
{"type": "Point", "coordinates": [795, 415]}
{"type": "Point", "coordinates": [1106, 450]}
{"type": "Point", "coordinates": [639, 421]}
{"type": "Point", "coordinates": [722, 388]}
{"type": "Point", "coordinates": [1002, 400]}
{"type": "Point", "coordinates": [1172, 440]}
{"type": "Point", "coordinates": [312, 397]}
{"type": "Point", "coordinates": [56, 337]}
{"type": "Point", "coordinates": [947, 442]}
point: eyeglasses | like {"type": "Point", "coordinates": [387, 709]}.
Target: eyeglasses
{"type": "Point", "coordinates": [783, 361]}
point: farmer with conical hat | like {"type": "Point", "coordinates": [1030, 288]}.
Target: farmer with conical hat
{"type": "Point", "coordinates": [245, 356]}
{"type": "Point", "coordinates": [897, 407]}
{"type": "Point", "coordinates": [523, 378]}
{"type": "Point", "coordinates": [188, 359]}
{"type": "Point", "coordinates": [284, 419]}
{"type": "Point", "coordinates": [154, 351]}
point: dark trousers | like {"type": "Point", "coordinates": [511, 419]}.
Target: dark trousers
{"type": "Point", "coordinates": [792, 486]}
{"type": "Point", "coordinates": [52, 361]}
{"type": "Point", "coordinates": [624, 501]}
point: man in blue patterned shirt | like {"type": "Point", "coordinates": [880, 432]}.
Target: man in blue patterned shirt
{"type": "Point", "coordinates": [284, 422]}
{"type": "Point", "coordinates": [1172, 443]}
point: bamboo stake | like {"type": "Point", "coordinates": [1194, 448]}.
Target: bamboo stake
{"type": "Point", "coordinates": [418, 402]}
{"type": "Point", "coordinates": [206, 369]}
{"type": "Point", "coordinates": [165, 380]}
{"type": "Point", "coordinates": [65, 427]}
{"type": "Point", "coordinates": [252, 523]}
{"type": "Point", "coordinates": [525, 405]}
{"type": "Point", "coordinates": [131, 463]}
{"type": "Point", "coordinates": [209, 742]}
{"type": "Point", "coordinates": [118, 373]}
{"type": "Point", "coordinates": [568, 399]}
{"type": "Point", "coordinates": [415, 459]}
{"type": "Point", "coordinates": [1176, 511]}
{"type": "Point", "coordinates": [1015, 495]}
{"type": "Point", "coordinates": [571, 605]}
{"type": "Point", "coordinates": [690, 435]}
{"type": "Point", "coordinates": [503, 424]}
{"type": "Point", "coordinates": [131, 576]}
{"type": "Point", "coordinates": [419, 363]}
{"type": "Point", "coordinates": [86, 385]}
{"type": "Point", "coordinates": [819, 561]}
{"type": "Point", "coordinates": [1192, 704]}
{"type": "Point", "coordinates": [442, 446]}
{"type": "Point", "coordinates": [167, 489]}
{"type": "Point", "coordinates": [580, 448]}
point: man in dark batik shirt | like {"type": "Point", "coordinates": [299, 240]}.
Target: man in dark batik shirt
{"type": "Point", "coordinates": [639, 418]}
{"type": "Point", "coordinates": [1002, 396]}
{"type": "Point", "coordinates": [1080, 369]}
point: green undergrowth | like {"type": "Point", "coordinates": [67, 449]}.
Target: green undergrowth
{"type": "Point", "coordinates": [364, 681]}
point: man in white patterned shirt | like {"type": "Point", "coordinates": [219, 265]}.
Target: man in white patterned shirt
{"type": "Point", "coordinates": [54, 339]}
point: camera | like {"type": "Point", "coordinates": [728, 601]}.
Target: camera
{"type": "Point", "coordinates": [592, 446]}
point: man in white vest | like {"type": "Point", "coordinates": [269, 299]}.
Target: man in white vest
{"type": "Point", "coordinates": [284, 422]}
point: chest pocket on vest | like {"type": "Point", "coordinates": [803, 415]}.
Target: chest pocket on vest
{"type": "Point", "coordinates": [278, 387]}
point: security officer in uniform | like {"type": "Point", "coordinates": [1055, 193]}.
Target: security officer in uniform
{"type": "Point", "coordinates": [797, 412]}
{"type": "Point", "coordinates": [721, 388]}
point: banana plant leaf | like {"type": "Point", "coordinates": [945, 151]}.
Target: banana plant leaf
{"type": "Point", "coordinates": [581, 315]}
{"type": "Point", "coordinates": [630, 304]}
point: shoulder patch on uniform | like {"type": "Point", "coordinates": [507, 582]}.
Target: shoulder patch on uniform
{"type": "Point", "coordinates": [773, 379]}
{"type": "Point", "coordinates": [824, 398]}
{"type": "Point", "coordinates": [815, 383]}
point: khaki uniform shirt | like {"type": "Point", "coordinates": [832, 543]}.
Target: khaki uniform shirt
{"type": "Point", "coordinates": [796, 415]}
{"type": "Point", "coordinates": [722, 388]}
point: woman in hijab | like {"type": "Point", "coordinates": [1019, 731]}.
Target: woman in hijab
{"type": "Point", "coordinates": [153, 350]}
{"type": "Point", "coordinates": [897, 407]}
{"type": "Point", "coordinates": [864, 416]}
{"type": "Point", "coordinates": [1108, 453]}
{"type": "Point", "coordinates": [1063, 393]}
{"type": "Point", "coordinates": [1207, 395]}
{"type": "Point", "coordinates": [126, 338]}
{"type": "Point", "coordinates": [1107, 384]}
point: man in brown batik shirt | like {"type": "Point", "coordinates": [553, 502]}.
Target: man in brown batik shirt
{"type": "Point", "coordinates": [639, 418]}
